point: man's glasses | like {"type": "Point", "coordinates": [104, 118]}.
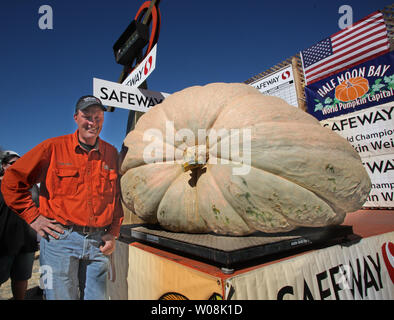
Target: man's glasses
{"type": "Point", "coordinates": [11, 162]}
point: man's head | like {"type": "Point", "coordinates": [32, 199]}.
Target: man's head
{"type": "Point", "coordinates": [89, 117]}
{"type": "Point", "coordinates": [87, 101]}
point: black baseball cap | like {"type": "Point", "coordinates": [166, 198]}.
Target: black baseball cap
{"type": "Point", "coordinates": [87, 101]}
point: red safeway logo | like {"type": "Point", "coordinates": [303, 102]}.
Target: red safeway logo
{"type": "Point", "coordinates": [388, 257]}
{"type": "Point", "coordinates": [148, 65]}
{"type": "Point", "coordinates": [285, 75]}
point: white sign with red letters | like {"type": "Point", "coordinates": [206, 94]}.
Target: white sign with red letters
{"type": "Point", "coordinates": [279, 84]}
{"type": "Point", "coordinates": [143, 70]}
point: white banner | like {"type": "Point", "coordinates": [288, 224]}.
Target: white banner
{"type": "Point", "coordinates": [118, 95]}
{"type": "Point", "coordinates": [361, 271]}
{"type": "Point", "coordinates": [143, 70]}
{"type": "Point", "coordinates": [381, 172]}
{"type": "Point", "coordinates": [279, 84]}
{"type": "Point", "coordinates": [371, 133]}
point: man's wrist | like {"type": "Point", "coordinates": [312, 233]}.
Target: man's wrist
{"type": "Point", "coordinates": [30, 215]}
{"type": "Point", "coordinates": [34, 219]}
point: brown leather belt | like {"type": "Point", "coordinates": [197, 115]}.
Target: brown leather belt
{"type": "Point", "coordinates": [83, 229]}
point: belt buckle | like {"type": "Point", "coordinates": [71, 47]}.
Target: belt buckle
{"type": "Point", "coordinates": [86, 230]}
{"type": "Point", "coordinates": [89, 230]}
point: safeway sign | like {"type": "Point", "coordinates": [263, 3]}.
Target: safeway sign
{"type": "Point", "coordinates": [143, 70]}
{"type": "Point", "coordinates": [114, 94]}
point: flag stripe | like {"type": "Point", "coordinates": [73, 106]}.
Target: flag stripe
{"type": "Point", "coordinates": [381, 27]}
{"type": "Point", "coordinates": [344, 68]}
{"type": "Point", "coordinates": [346, 63]}
{"type": "Point", "coordinates": [365, 39]}
{"type": "Point", "coordinates": [376, 36]}
{"type": "Point", "coordinates": [372, 34]}
{"type": "Point", "coordinates": [363, 51]}
{"type": "Point", "coordinates": [353, 49]}
{"type": "Point", "coordinates": [357, 24]}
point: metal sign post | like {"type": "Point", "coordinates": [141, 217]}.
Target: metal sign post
{"type": "Point", "coordinates": [133, 44]}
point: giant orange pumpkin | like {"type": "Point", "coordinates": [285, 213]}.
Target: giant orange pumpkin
{"type": "Point", "coordinates": [351, 89]}
{"type": "Point", "coordinates": [300, 173]}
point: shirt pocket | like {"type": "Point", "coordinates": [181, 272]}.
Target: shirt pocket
{"type": "Point", "coordinates": [107, 183]}
{"type": "Point", "coordinates": [66, 181]}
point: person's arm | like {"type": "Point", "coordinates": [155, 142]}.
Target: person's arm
{"type": "Point", "coordinates": [114, 229]}
{"type": "Point", "coordinates": [17, 182]}
{"type": "Point", "coordinates": [117, 218]}
{"type": "Point", "coordinates": [109, 238]}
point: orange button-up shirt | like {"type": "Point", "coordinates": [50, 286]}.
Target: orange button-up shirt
{"type": "Point", "coordinates": [77, 187]}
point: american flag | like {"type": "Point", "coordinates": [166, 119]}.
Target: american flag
{"type": "Point", "coordinates": [364, 40]}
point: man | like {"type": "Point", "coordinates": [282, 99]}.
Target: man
{"type": "Point", "coordinates": [80, 212]}
{"type": "Point", "coordinates": [18, 241]}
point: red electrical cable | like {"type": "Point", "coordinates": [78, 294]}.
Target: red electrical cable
{"type": "Point", "coordinates": [155, 18]}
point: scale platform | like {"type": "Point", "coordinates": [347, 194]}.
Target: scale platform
{"type": "Point", "coordinates": [229, 251]}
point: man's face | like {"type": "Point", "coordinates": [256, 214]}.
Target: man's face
{"type": "Point", "coordinates": [89, 122]}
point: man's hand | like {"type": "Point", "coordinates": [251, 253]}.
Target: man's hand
{"type": "Point", "coordinates": [45, 226]}
{"type": "Point", "coordinates": [109, 244]}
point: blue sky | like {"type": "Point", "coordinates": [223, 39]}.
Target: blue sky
{"type": "Point", "coordinates": [44, 72]}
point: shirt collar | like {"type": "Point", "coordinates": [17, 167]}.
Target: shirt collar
{"type": "Point", "coordinates": [76, 144]}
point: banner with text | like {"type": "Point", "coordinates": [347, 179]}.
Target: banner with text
{"type": "Point", "coordinates": [381, 172]}
{"type": "Point", "coordinates": [363, 86]}
{"type": "Point", "coordinates": [360, 271]}
{"type": "Point", "coordinates": [371, 132]}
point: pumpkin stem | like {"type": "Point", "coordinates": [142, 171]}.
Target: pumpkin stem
{"type": "Point", "coordinates": [195, 157]}
{"type": "Point", "coordinates": [348, 84]}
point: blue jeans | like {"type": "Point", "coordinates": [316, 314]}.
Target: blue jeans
{"type": "Point", "coordinates": [73, 267]}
